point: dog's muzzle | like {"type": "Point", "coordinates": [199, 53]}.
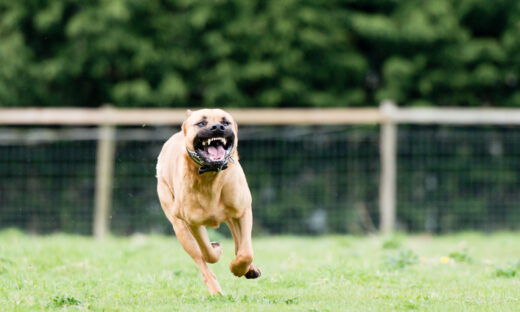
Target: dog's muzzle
{"type": "Point", "coordinates": [213, 149]}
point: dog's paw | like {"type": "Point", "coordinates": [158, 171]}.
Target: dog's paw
{"type": "Point", "coordinates": [254, 272]}
{"type": "Point", "coordinates": [217, 250]}
{"type": "Point", "coordinates": [217, 247]}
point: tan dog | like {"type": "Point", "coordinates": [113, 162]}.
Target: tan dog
{"type": "Point", "coordinates": [201, 183]}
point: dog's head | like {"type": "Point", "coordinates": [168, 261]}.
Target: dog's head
{"type": "Point", "coordinates": [212, 135]}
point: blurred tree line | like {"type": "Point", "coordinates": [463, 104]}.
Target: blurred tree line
{"type": "Point", "coordinates": [259, 53]}
{"type": "Point", "coordinates": [288, 53]}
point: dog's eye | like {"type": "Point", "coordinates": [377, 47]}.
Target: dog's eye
{"type": "Point", "coordinates": [202, 123]}
{"type": "Point", "coordinates": [226, 123]}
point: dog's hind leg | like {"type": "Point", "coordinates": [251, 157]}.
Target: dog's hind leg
{"type": "Point", "coordinates": [241, 231]}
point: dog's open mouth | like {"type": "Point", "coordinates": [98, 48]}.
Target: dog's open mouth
{"type": "Point", "coordinates": [214, 149]}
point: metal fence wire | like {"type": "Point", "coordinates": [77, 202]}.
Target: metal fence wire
{"type": "Point", "coordinates": [458, 178]}
{"type": "Point", "coordinates": [304, 179]}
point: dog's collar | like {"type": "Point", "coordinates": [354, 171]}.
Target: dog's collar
{"type": "Point", "coordinates": [204, 167]}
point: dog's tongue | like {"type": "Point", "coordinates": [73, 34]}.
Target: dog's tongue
{"type": "Point", "coordinates": [216, 153]}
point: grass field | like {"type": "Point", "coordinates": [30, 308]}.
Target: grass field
{"type": "Point", "coordinates": [463, 272]}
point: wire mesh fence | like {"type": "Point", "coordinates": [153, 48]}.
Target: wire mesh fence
{"type": "Point", "coordinates": [304, 179]}
{"type": "Point", "coordinates": [46, 183]}
{"type": "Point", "coordinates": [458, 178]}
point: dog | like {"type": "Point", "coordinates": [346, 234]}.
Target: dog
{"type": "Point", "coordinates": [201, 183]}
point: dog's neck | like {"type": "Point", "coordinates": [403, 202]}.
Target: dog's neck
{"type": "Point", "coordinates": [207, 183]}
{"type": "Point", "coordinates": [205, 176]}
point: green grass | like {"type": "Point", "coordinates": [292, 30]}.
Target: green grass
{"type": "Point", "coordinates": [331, 273]}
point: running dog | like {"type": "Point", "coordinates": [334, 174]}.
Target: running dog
{"type": "Point", "coordinates": [201, 183]}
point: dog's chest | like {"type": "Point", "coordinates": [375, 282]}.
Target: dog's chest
{"type": "Point", "coordinates": [208, 211]}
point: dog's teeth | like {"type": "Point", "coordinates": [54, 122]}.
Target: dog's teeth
{"type": "Point", "coordinates": [208, 141]}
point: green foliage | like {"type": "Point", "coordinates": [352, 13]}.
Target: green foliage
{"type": "Point", "coordinates": [461, 256]}
{"type": "Point", "coordinates": [63, 301]}
{"type": "Point", "coordinates": [510, 270]}
{"type": "Point", "coordinates": [5, 264]}
{"type": "Point", "coordinates": [393, 241]}
{"type": "Point", "coordinates": [403, 259]}
{"type": "Point", "coordinates": [258, 53]}
{"type": "Point", "coordinates": [505, 271]}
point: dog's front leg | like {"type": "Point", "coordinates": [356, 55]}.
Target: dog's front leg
{"type": "Point", "coordinates": [241, 231]}
{"type": "Point", "coordinates": [210, 251]}
{"type": "Point", "coordinates": [187, 239]}
{"type": "Point", "coordinates": [191, 246]}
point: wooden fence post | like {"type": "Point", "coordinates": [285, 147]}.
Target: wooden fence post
{"type": "Point", "coordinates": [388, 178]}
{"type": "Point", "coordinates": [104, 180]}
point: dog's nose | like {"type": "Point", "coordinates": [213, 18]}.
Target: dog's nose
{"type": "Point", "coordinates": [217, 127]}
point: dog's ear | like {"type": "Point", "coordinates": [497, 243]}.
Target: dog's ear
{"type": "Point", "coordinates": [235, 127]}
{"type": "Point", "coordinates": [188, 114]}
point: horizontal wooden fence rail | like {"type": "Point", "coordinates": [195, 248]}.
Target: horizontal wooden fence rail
{"type": "Point", "coordinates": [283, 116]}
{"type": "Point", "coordinates": [125, 116]}
{"type": "Point", "coordinates": [387, 115]}
{"type": "Point", "coordinates": [455, 116]}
